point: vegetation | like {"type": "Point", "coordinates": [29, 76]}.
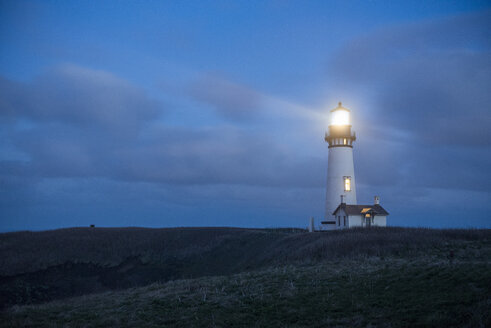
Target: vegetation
{"type": "Point", "coordinates": [381, 293]}
{"type": "Point", "coordinates": [26, 251]}
{"type": "Point", "coordinates": [390, 277]}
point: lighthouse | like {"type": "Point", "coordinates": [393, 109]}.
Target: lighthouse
{"type": "Point", "coordinates": [341, 183]}
{"type": "Point", "coordinates": [342, 210]}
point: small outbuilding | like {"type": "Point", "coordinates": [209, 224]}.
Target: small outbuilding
{"type": "Point", "coordinates": [349, 216]}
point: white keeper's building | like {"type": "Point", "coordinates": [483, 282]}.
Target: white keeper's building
{"type": "Point", "coordinates": [342, 210]}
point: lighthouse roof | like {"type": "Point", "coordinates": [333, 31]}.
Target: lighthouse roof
{"type": "Point", "coordinates": [340, 107]}
{"type": "Point", "coordinates": [361, 209]}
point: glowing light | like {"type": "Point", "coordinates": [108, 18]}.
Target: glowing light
{"type": "Point", "coordinates": [340, 117]}
{"type": "Point", "coordinates": [347, 183]}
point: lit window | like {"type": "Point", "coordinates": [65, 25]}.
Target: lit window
{"type": "Point", "coordinates": [345, 141]}
{"type": "Point", "coordinates": [347, 183]}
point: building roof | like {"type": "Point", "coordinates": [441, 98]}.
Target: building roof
{"type": "Point", "coordinates": [340, 107]}
{"type": "Point", "coordinates": [361, 209]}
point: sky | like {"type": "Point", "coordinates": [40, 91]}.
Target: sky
{"type": "Point", "coordinates": [213, 113]}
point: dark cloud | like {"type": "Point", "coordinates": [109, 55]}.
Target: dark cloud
{"type": "Point", "coordinates": [230, 100]}
{"type": "Point", "coordinates": [426, 90]}
{"type": "Point", "coordinates": [215, 156]}
{"type": "Point", "coordinates": [430, 79]}
{"type": "Point", "coordinates": [80, 97]}
{"type": "Point", "coordinates": [78, 123]}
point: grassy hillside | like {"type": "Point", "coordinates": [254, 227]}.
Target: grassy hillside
{"type": "Point", "coordinates": [249, 277]}
{"type": "Point", "coordinates": [354, 293]}
{"type": "Point", "coordinates": [26, 251]}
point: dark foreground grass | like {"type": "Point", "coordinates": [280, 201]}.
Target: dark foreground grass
{"type": "Point", "coordinates": [213, 250]}
{"type": "Point", "coordinates": [365, 292]}
{"type": "Point", "coordinates": [386, 277]}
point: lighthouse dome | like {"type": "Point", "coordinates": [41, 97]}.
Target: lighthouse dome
{"type": "Point", "coordinates": [340, 115]}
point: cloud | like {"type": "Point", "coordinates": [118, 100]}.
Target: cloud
{"type": "Point", "coordinates": [430, 79]}
{"type": "Point", "coordinates": [74, 122]}
{"type": "Point", "coordinates": [426, 114]}
{"type": "Point", "coordinates": [78, 96]}
{"type": "Point", "coordinates": [230, 100]}
{"type": "Point", "coordinates": [219, 155]}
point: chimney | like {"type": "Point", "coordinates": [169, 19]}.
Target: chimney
{"type": "Point", "coordinates": [342, 199]}
{"type": "Point", "coordinates": [376, 200]}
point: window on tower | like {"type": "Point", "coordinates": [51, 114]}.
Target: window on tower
{"type": "Point", "coordinates": [347, 183]}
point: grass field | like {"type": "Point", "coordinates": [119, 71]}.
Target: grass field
{"type": "Point", "coordinates": [358, 278]}
{"type": "Point", "coordinates": [381, 293]}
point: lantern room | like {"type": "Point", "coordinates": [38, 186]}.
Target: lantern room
{"type": "Point", "coordinates": [340, 134]}
{"type": "Point", "coordinates": [340, 115]}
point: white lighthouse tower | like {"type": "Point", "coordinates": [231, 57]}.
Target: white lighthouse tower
{"type": "Point", "coordinates": [340, 167]}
